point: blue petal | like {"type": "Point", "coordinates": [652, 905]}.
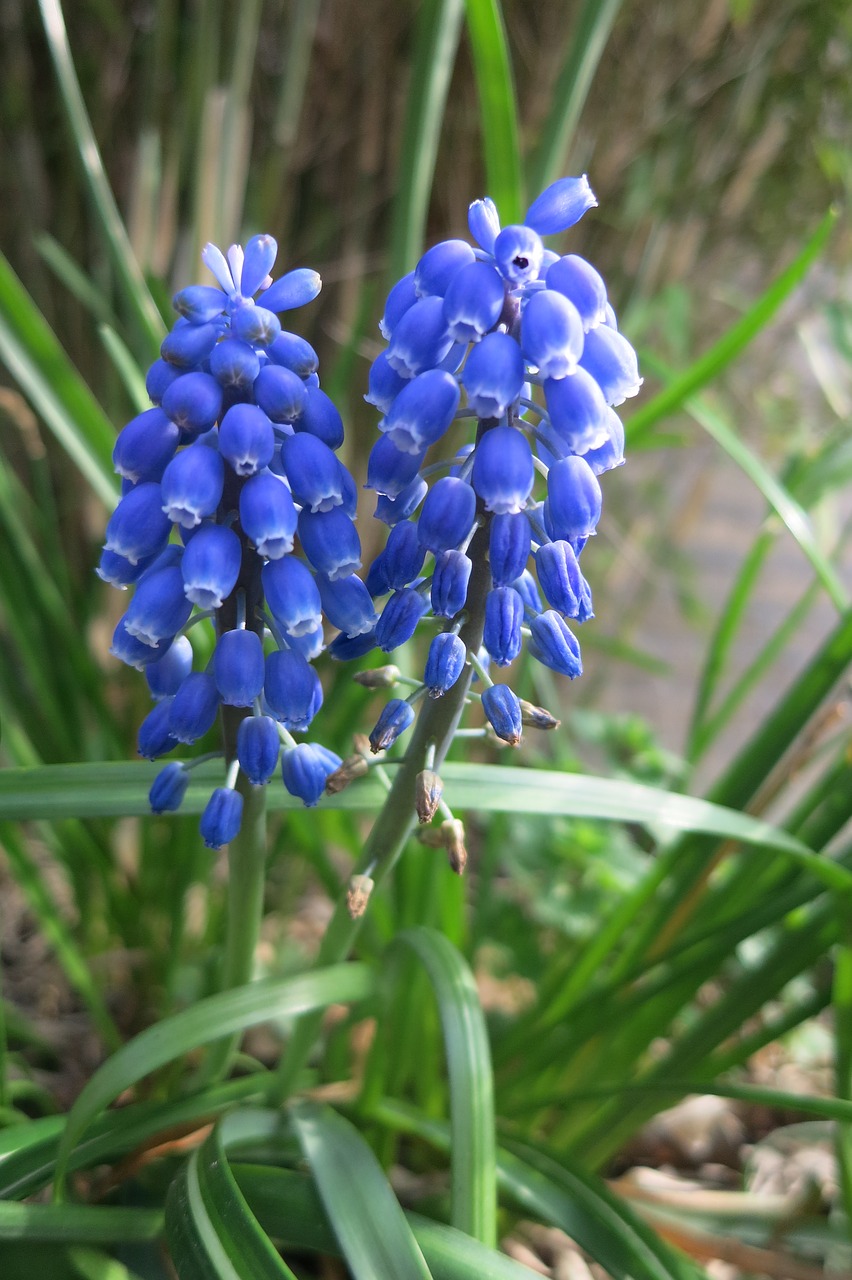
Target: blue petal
{"type": "Point", "coordinates": [292, 290]}
{"type": "Point", "coordinates": [560, 206]}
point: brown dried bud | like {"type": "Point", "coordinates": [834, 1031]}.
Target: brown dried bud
{"type": "Point", "coordinates": [428, 789]}
{"type": "Point", "coordinates": [352, 767]}
{"type": "Point", "coordinates": [361, 744]}
{"type": "Point", "coordinates": [430, 836]}
{"type": "Point", "coordinates": [358, 895]}
{"type": "Point", "coordinates": [452, 833]}
{"type": "Point", "coordinates": [537, 717]}
{"type": "Point", "coordinates": [378, 678]}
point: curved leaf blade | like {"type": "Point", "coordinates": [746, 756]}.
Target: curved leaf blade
{"type": "Point", "coordinates": [498, 111]}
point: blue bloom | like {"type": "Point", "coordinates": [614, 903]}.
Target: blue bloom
{"type": "Point", "coordinates": [573, 505]}
{"type": "Point", "coordinates": [330, 541]}
{"type": "Point", "coordinates": [294, 353]}
{"type": "Point", "coordinates": [138, 527]}
{"type": "Point", "coordinates": [246, 439]}
{"type": "Point", "coordinates": [422, 411]}
{"type": "Point", "coordinates": [404, 504]}
{"type": "Point", "coordinates": [560, 206]}
{"type": "Point", "coordinates": [562, 580]}
{"type": "Point", "coordinates": [518, 252]}
{"type": "Point", "coordinates": [390, 470]}
{"type": "Point", "coordinates": [448, 514]}
{"type": "Point", "coordinates": [440, 265]}
{"type": "Point", "coordinates": [503, 710]}
{"type": "Point", "coordinates": [155, 735]}
{"type": "Point", "coordinates": [445, 663]}
{"type": "Point", "coordinates": [321, 418]}
{"type": "Point", "coordinates": [211, 565]}
{"type": "Point", "coordinates": [396, 717]}
{"type": "Point", "coordinates": [193, 402]}
{"type": "Point", "coordinates": [194, 707]}
{"type": "Point", "coordinates": [280, 393]}
{"type": "Point", "coordinates": [450, 580]}
{"type": "Point", "coordinates": [503, 471]}
{"type": "Point", "coordinates": [258, 748]}
{"type": "Point", "coordinates": [238, 667]}
{"type": "Point", "coordinates": [222, 817]}
{"type": "Point", "coordinates": [581, 284]}
{"type": "Point", "coordinates": [235, 364]}
{"type": "Point", "coordinates": [508, 547]}
{"type": "Point", "coordinates": [268, 515]}
{"type": "Point", "coordinates": [552, 334]}
{"type": "Point", "coordinates": [192, 484]}
{"type": "Point", "coordinates": [169, 788]}
{"type": "Point", "coordinates": [494, 375]}
{"type": "Point", "coordinates": [504, 614]}
{"type": "Point", "coordinates": [473, 302]}
{"type": "Point", "coordinates": [555, 645]}
{"type": "Point", "coordinates": [347, 604]}
{"type": "Point", "coordinates": [420, 340]}
{"type": "Point", "coordinates": [292, 595]}
{"type": "Point", "coordinates": [305, 768]}
{"type": "Point", "coordinates": [611, 361]}
{"type": "Point", "coordinates": [167, 674]}
{"type": "Point", "coordinates": [315, 474]}
{"type": "Point", "coordinates": [578, 411]}
{"type": "Point", "coordinates": [159, 608]}
{"type": "Point", "coordinates": [292, 689]}
{"type": "Point", "coordinates": [399, 619]}
{"type": "Point", "coordinates": [145, 446]}
{"type": "Point", "coordinates": [402, 296]}
{"type": "Point", "coordinates": [403, 556]}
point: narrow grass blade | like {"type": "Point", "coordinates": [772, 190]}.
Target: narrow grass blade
{"type": "Point", "coordinates": [124, 262]}
{"type": "Point", "coordinates": [209, 1019]}
{"type": "Point", "coordinates": [436, 43]}
{"type": "Point", "coordinates": [126, 367]}
{"type": "Point", "coordinates": [289, 1207]}
{"type": "Point", "coordinates": [75, 279]}
{"type": "Point", "coordinates": [196, 1249]}
{"type": "Point", "coordinates": [498, 110]}
{"type": "Point", "coordinates": [77, 1223]}
{"type": "Point", "coordinates": [841, 998]}
{"type": "Point", "coordinates": [474, 1178]}
{"type": "Point", "coordinates": [729, 346]}
{"type": "Point", "coordinates": [588, 41]}
{"type": "Point", "coordinates": [364, 1213]}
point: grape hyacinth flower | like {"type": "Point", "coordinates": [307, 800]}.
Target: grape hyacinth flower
{"type": "Point", "coordinates": [235, 508]}
{"type": "Point", "coordinates": [497, 392]}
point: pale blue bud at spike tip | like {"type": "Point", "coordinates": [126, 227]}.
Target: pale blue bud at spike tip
{"type": "Point", "coordinates": [420, 340]}
{"type": "Point", "coordinates": [504, 614]}
{"type": "Point", "coordinates": [292, 595]}
{"type": "Point", "coordinates": [552, 334]}
{"type": "Point", "coordinates": [295, 289]}
{"type": "Point", "coordinates": [192, 485]}
{"type": "Point", "coordinates": [211, 565]}
{"type": "Point", "coordinates": [238, 667]}
{"type": "Point", "coordinates": [167, 674]}
{"type": "Point", "coordinates": [555, 645]}
{"type": "Point", "coordinates": [145, 446]}
{"type": "Point", "coordinates": [581, 284]}
{"type": "Point", "coordinates": [560, 206]}
{"type": "Point", "coordinates": [449, 583]}
{"type": "Point", "coordinates": [518, 252]}
{"type": "Point", "coordinates": [168, 788]}
{"type": "Point", "coordinates": [258, 748]}
{"type": "Point", "coordinates": [330, 541]}
{"type": "Point", "coordinates": [473, 302]}
{"type": "Point", "coordinates": [440, 265]}
{"type": "Point", "coordinates": [194, 707]}
{"type": "Point", "coordinates": [503, 711]}
{"type": "Point", "coordinates": [268, 515]}
{"type": "Point", "coordinates": [193, 402]}
{"type": "Point", "coordinates": [508, 547]}
{"type": "Point", "coordinates": [448, 514]}
{"type": "Point", "coordinates": [484, 223]}
{"type": "Point", "coordinates": [399, 619]}
{"type": "Point", "coordinates": [503, 471]}
{"type": "Point", "coordinates": [292, 689]}
{"type": "Point", "coordinates": [222, 817]}
{"type": "Point", "coordinates": [422, 411]}
{"type": "Point", "coordinates": [494, 375]}
{"type": "Point", "coordinates": [305, 768]}
{"type": "Point", "coordinates": [573, 505]}
{"type": "Point", "coordinates": [258, 261]}
{"type": "Point", "coordinates": [444, 664]}
{"type": "Point", "coordinates": [396, 717]}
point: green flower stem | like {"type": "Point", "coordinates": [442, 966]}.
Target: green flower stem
{"type": "Point", "coordinates": [432, 735]}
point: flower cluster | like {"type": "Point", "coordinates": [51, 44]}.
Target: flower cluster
{"type": "Point", "coordinates": [523, 343]}
{"type": "Point", "coordinates": [237, 459]}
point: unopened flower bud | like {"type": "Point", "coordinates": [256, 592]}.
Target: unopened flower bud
{"type": "Point", "coordinates": [428, 789]}
{"type": "Point", "coordinates": [537, 717]}
{"type": "Point", "coordinates": [452, 837]}
{"type": "Point", "coordinates": [379, 678]}
{"type": "Point", "coordinates": [358, 895]}
{"type": "Point", "coordinates": [354, 766]}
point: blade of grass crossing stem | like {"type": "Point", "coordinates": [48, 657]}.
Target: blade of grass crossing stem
{"type": "Point", "coordinates": [209, 1019]}
{"type": "Point", "coordinates": [729, 346]}
{"type": "Point", "coordinates": [498, 110]}
{"type": "Point", "coordinates": [587, 42]}
{"type": "Point", "coordinates": [473, 1185]}
{"type": "Point", "coordinates": [842, 1001]}
{"type": "Point", "coordinates": [126, 267]}
{"type": "Point", "coordinates": [366, 1216]}
{"type": "Point", "coordinates": [75, 279]}
{"type": "Point", "coordinates": [289, 1208]}
{"type": "Point", "coordinates": [53, 387]}
{"type": "Point", "coordinates": [577, 1202]}
{"type": "Point", "coordinates": [126, 367]}
{"type": "Point", "coordinates": [436, 44]}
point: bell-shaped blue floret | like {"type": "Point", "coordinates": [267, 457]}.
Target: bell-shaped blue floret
{"type": "Point", "coordinates": [168, 788]}
{"type": "Point", "coordinates": [508, 547]}
{"type": "Point", "coordinates": [294, 289]}
{"type": "Point", "coordinates": [155, 737]}
{"type": "Point", "coordinates": [159, 607]}
{"type": "Point", "coordinates": [145, 446]}
{"type": "Point", "coordinates": [292, 689]}
{"type": "Point", "coordinates": [611, 361]}
{"type": "Point", "coordinates": [320, 417]}
{"type": "Point", "coordinates": [133, 652]}
{"type": "Point", "coordinates": [347, 604]}
{"type": "Point", "coordinates": [403, 556]}
{"type": "Point", "coordinates": [402, 296]}
{"type": "Point", "coordinates": [396, 717]}
{"type": "Point", "coordinates": [199, 303]}
{"type": "Point", "coordinates": [118, 571]}
{"type": "Point", "coordinates": [552, 334]}
{"type": "Point", "coordinates": [560, 206]}
{"type": "Point", "coordinates": [578, 280]}
{"type": "Point", "coordinates": [503, 471]}
{"type": "Point", "coordinates": [310, 645]}
{"type": "Point", "coordinates": [399, 619]}
{"type": "Point", "coordinates": [440, 265]}
{"type": "Point", "coordinates": [449, 583]}
{"type": "Point", "coordinates": [315, 474]}
{"type": "Point", "coordinates": [562, 580]}
{"type": "Point", "coordinates": [292, 595]}
{"type": "Point", "coordinates": [194, 707]}
{"type": "Point", "coordinates": [526, 588]}
{"type": "Point", "coordinates": [484, 223]}
{"type": "Point", "coordinates": [611, 453]}
{"type": "Point", "coordinates": [167, 674]}
{"type": "Point", "coordinates": [376, 580]}
{"type": "Point", "coordinates": [345, 648]}
{"type": "Point", "coordinates": [235, 364]}
{"type": "Point", "coordinates": [578, 410]}
{"type": "Point", "coordinates": [385, 384]}
{"type": "Point", "coordinates": [139, 528]}
{"type": "Point", "coordinates": [238, 667]}
{"type": "Point", "coordinates": [295, 353]}
{"type": "Point", "coordinates": [494, 375]}
{"type": "Point", "coordinates": [504, 613]}
{"type": "Point", "coordinates": [192, 485]}
{"type": "Point", "coordinates": [473, 302]}
{"type": "Point", "coordinates": [255, 325]}
{"type": "Point", "coordinates": [258, 747]}
{"type": "Point", "coordinates": [268, 515]}
{"type": "Point", "coordinates": [193, 402]}
{"type": "Point", "coordinates": [573, 505]}
{"type": "Point", "coordinates": [390, 470]}
{"type": "Point", "coordinates": [555, 645]}
{"type": "Point", "coordinates": [222, 817]}
{"type": "Point", "coordinates": [246, 439]}
{"type": "Point", "coordinates": [448, 514]}
{"type": "Point", "coordinates": [330, 541]}
{"type": "Point", "coordinates": [159, 378]}
{"type": "Point", "coordinates": [280, 393]}
{"type": "Point", "coordinates": [420, 340]}
{"type": "Point", "coordinates": [503, 710]}
{"type": "Point", "coordinates": [211, 565]}
{"type": "Point", "coordinates": [444, 663]}
{"type": "Point", "coordinates": [304, 769]}
{"type": "Point", "coordinates": [188, 344]}
{"type": "Point", "coordinates": [390, 510]}
{"type": "Point", "coordinates": [518, 252]}
{"type": "Point", "coordinates": [258, 260]}
{"type": "Point", "coordinates": [422, 411]}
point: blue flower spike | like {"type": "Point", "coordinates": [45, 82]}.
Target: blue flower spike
{"type": "Point", "coordinates": [238, 514]}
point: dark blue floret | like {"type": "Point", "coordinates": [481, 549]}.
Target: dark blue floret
{"type": "Point", "coordinates": [192, 485]}
{"type": "Point", "coordinates": [258, 747]}
{"type": "Point", "coordinates": [292, 689]}
{"type": "Point", "coordinates": [280, 393]}
{"type": "Point", "coordinates": [222, 817]}
{"type": "Point", "coordinates": [145, 446]}
{"type": "Point", "coordinates": [399, 619]}
{"type": "Point", "coordinates": [194, 707]}
{"type": "Point", "coordinates": [168, 788]}
{"type": "Point", "coordinates": [508, 547]}
{"type": "Point", "coordinates": [138, 528]}
{"type": "Point", "coordinates": [235, 364]}
{"type": "Point", "coordinates": [504, 614]}
{"type": "Point", "coordinates": [403, 556]}
{"type": "Point", "coordinates": [159, 607]}
{"type": "Point", "coordinates": [554, 644]}
{"type": "Point", "coordinates": [573, 504]}
{"type": "Point", "coordinates": [494, 375]}
{"type": "Point", "coordinates": [167, 674]}
{"type": "Point", "coordinates": [211, 565]}
{"type": "Point", "coordinates": [238, 667]}
{"type": "Point", "coordinates": [390, 471]}
{"type": "Point", "coordinates": [420, 340]}
{"type": "Point", "coordinates": [503, 471]}
{"type": "Point", "coordinates": [293, 353]}
{"type": "Point", "coordinates": [396, 717]}
{"type": "Point", "coordinates": [447, 516]}
{"type": "Point", "coordinates": [347, 604]}
{"type": "Point", "coordinates": [321, 418]}
{"type": "Point", "coordinates": [193, 402]}
{"type": "Point", "coordinates": [316, 476]}
{"type": "Point", "coordinates": [503, 710]}
{"type": "Point", "coordinates": [246, 439]}
{"type": "Point", "coordinates": [305, 768]}
{"type": "Point", "coordinates": [267, 515]}
{"type": "Point", "coordinates": [449, 583]}
{"type": "Point", "coordinates": [292, 595]}
{"type": "Point", "coordinates": [440, 265]}
{"type": "Point", "coordinates": [155, 736]}
{"type": "Point", "coordinates": [473, 302]}
{"type": "Point", "coordinates": [444, 664]}
{"type": "Point", "coordinates": [330, 541]}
